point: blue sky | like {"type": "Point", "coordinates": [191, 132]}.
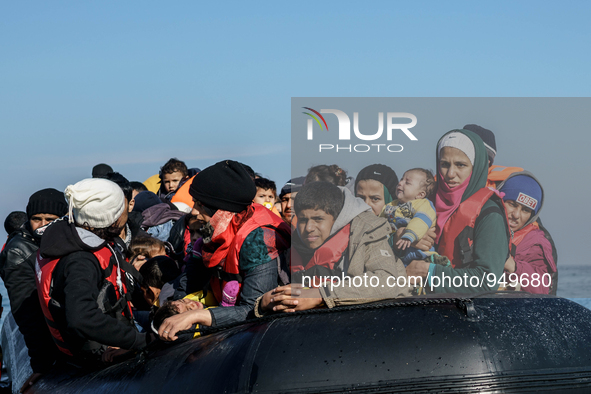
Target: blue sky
{"type": "Point", "coordinates": [134, 84]}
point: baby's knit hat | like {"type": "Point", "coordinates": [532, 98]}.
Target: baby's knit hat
{"type": "Point", "coordinates": [95, 202]}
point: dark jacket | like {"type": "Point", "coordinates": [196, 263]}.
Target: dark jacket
{"type": "Point", "coordinates": [77, 279]}
{"type": "Point", "coordinates": [17, 269]}
{"type": "Point", "coordinates": [176, 238]}
{"type": "Point", "coordinates": [159, 214]}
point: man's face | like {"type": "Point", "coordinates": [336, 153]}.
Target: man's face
{"type": "Point", "coordinates": [199, 212]}
{"type": "Point", "coordinates": [314, 227]}
{"type": "Point", "coordinates": [171, 181]}
{"type": "Point", "coordinates": [41, 219]}
{"type": "Point", "coordinates": [120, 223]}
{"type": "Point", "coordinates": [287, 206]}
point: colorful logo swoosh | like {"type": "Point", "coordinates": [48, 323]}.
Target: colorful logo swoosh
{"type": "Point", "coordinates": [315, 118]}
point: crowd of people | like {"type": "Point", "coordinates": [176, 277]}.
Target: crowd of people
{"type": "Point", "coordinates": [108, 266]}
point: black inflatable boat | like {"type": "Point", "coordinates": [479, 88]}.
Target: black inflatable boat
{"type": "Point", "coordinates": [495, 342]}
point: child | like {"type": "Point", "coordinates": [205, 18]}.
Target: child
{"type": "Point", "coordinates": [144, 248]}
{"type": "Point", "coordinates": [191, 302]}
{"type": "Point", "coordinates": [412, 210]}
{"type": "Point", "coordinates": [172, 174]}
{"type": "Point", "coordinates": [266, 194]}
{"type": "Point", "coordinates": [158, 274]}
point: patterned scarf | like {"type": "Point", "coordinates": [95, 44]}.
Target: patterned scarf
{"type": "Point", "coordinates": [226, 225]}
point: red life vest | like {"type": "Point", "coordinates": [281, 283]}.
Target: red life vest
{"type": "Point", "coordinates": [44, 274]}
{"type": "Point", "coordinates": [229, 270]}
{"type": "Point", "coordinates": [458, 233]}
{"type": "Point", "coordinates": [326, 256]}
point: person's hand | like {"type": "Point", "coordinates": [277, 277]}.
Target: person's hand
{"type": "Point", "coordinates": [139, 260]}
{"type": "Point", "coordinates": [402, 244]}
{"type": "Point", "coordinates": [426, 243]}
{"type": "Point", "coordinates": [30, 382]}
{"type": "Point", "coordinates": [291, 298]}
{"type": "Point", "coordinates": [267, 302]}
{"type": "Point", "coordinates": [417, 268]}
{"type": "Point", "coordinates": [510, 265]}
{"type": "Point", "coordinates": [183, 321]}
{"type": "Point", "coordinates": [111, 353]}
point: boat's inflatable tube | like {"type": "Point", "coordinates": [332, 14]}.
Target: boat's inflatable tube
{"type": "Point", "coordinates": [492, 343]}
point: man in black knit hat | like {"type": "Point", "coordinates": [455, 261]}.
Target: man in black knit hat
{"type": "Point", "coordinates": [287, 198]}
{"type": "Point", "coordinates": [245, 245]}
{"type": "Point", "coordinates": [17, 269]}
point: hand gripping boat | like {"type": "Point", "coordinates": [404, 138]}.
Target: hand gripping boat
{"type": "Point", "coordinates": [494, 342]}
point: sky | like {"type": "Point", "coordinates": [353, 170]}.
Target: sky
{"type": "Point", "coordinates": [135, 83]}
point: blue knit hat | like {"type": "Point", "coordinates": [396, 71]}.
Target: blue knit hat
{"type": "Point", "coordinates": [524, 190]}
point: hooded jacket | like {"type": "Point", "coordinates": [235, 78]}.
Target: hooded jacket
{"type": "Point", "coordinates": [490, 242]}
{"type": "Point", "coordinates": [77, 279]}
{"type": "Point", "coordinates": [533, 254]}
{"type": "Point", "coordinates": [17, 269]}
{"type": "Point", "coordinates": [368, 253]}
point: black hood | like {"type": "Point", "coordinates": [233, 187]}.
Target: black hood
{"type": "Point", "coordinates": [62, 238]}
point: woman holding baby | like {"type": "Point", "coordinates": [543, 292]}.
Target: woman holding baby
{"type": "Point", "coordinates": [471, 227]}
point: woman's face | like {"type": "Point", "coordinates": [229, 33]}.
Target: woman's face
{"type": "Point", "coordinates": [372, 192]}
{"type": "Point", "coordinates": [454, 165]}
{"type": "Point", "coordinates": [517, 214]}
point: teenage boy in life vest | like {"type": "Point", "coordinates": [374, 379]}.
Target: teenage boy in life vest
{"type": "Point", "coordinates": [79, 277]}
{"type": "Point", "coordinates": [17, 269]}
{"type": "Point", "coordinates": [338, 236]}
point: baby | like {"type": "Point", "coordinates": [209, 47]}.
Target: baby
{"type": "Point", "coordinates": [413, 211]}
{"type": "Point", "coordinates": [266, 192]}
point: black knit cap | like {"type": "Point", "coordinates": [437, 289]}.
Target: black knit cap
{"type": "Point", "coordinates": [380, 173]}
{"type": "Point", "coordinates": [100, 170]}
{"type": "Point", "coordinates": [145, 200]}
{"type": "Point", "coordinates": [47, 201]}
{"type": "Point", "coordinates": [292, 186]}
{"type": "Point", "coordinates": [225, 185]}
{"type": "Point", "coordinates": [488, 137]}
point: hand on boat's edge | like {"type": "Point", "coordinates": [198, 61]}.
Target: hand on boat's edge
{"type": "Point", "coordinates": [181, 322]}
{"type": "Point", "coordinates": [291, 298]}
{"type": "Point", "coordinates": [35, 376]}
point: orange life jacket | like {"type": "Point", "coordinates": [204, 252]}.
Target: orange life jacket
{"type": "Point", "coordinates": [497, 174]}
{"type": "Point", "coordinates": [458, 233]}
{"type": "Point", "coordinates": [182, 194]}
{"type": "Point", "coordinates": [229, 270]}
{"type": "Point", "coordinates": [44, 274]}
